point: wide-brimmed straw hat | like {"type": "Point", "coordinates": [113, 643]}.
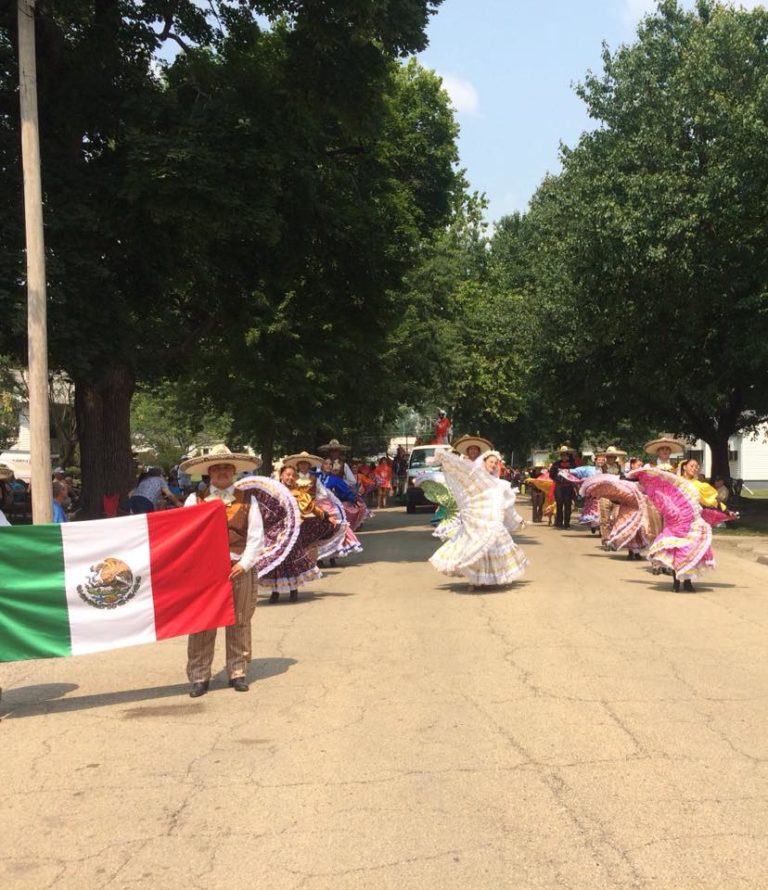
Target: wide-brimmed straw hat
{"type": "Point", "coordinates": [220, 454]}
{"type": "Point", "coordinates": [564, 448]}
{"type": "Point", "coordinates": [333, 445]}
{"type": "Point", "coordinates": [293, 460]}
{"type": "Point", "coordinates": [462, 444]}
{"type": "Point", "coordinates": [6, 473]}
{"type": "Point", "coordinates": [666, 440]}
{"type": "Point", "coordinates": [611, 450]}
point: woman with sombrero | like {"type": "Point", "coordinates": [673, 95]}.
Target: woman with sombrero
{"type": "Point", "coordinates": [481, 549]}
{"type": "Point", "coordinates": [608, 510]}
{"type": "Point", "coordinates": [471, 447]}
{"type": "Point", "coordinates": [300, 565]}
{"type": "Point", "coordinates": [337, 454]}
{"type": "Point", "coordinates": [354, 507]}
{"type": "Point", "coordinates": [684, 544]}
{"type": "Point", "coordinates": [348, 502]}
{"type": "Point", "coordinates": [306, 466]}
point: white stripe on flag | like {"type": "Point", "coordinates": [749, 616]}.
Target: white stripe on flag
{"type": "Point", "coordinates": [86, 544]}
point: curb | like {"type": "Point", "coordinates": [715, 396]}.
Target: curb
{"type": "Point", "coordinates": [751, 547]}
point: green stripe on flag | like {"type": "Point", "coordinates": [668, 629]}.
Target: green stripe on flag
{"type": "Point", "coordinates": [34, 620]}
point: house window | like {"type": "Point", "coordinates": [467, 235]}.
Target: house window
{"type": "Point", "coordinates": [733, 455]}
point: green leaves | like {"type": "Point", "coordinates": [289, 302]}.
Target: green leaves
{"type": "Point", "coordinates": [655, 231]}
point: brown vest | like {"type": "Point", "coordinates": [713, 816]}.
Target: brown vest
{"type": "Point", "coordinates": [237, 519]}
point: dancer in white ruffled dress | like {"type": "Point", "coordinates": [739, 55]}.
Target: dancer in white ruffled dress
{"type": "Point", "coordinates": [482, 549]}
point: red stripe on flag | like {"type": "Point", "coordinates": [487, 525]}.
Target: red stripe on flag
{"type": "Point", "coordinates": [189, 559]}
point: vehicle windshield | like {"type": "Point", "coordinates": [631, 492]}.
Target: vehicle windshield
{"type": "Point", "coordinates": [419, 458]}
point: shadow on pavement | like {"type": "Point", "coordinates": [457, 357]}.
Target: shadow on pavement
{"type": "Point", "coordinates": [40, 700]}
{"type": "Point", "coordinates": [666, 584]}
{"type": "Point", "coordinates": [307, 597]}
{"type": "Point", "coordinates": [463, 588]}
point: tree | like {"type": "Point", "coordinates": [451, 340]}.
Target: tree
{"type": "Point", "coordinates": [165, 424]}
{"type": "Point", "coordinates": [651, 247]}
{"type": "Point", "coordinates": [138, 279]}
{"type": "Point", "coordinates": [315, 294]}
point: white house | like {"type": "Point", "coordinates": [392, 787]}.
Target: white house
{"type": "Point", "coordinates": [747, 457]}
{"type": "Point", "coordinates": [61, 395]}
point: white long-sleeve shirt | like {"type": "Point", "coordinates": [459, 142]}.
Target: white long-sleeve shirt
{"type": "Point", "coordinates": [254, 540]}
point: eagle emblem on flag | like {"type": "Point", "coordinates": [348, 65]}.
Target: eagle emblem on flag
{"type": "Point", "coordinates": [109, 584]}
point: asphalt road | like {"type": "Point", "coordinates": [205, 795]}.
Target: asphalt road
{"type": "Point", "coordinates": [585, 728]}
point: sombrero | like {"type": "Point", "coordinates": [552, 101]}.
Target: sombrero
{"type": "Point", "coordinates": [611, 450]}
{"type": "Point", "coordinates": [220, 454]}
{"type": "Point", "coordinates": [567, 448]}
{"type": "Point", "coordinates": [333, 445]}
{"type": "Point", "coordinates": [465, 442]}
{"type": "Point", "coordinates": [293, 460]}
{"type": "Point", "coordinates": [6, 473]}
{"type": "Point", "coordinates": [666, 440]}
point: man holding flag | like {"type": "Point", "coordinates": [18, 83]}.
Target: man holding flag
{"type": "Point", "coordinates": [246, 535]}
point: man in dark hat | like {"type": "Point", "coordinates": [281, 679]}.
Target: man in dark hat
{"type": "Point", "coordinates": [564, 493]}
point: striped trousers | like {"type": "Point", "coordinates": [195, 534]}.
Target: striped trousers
{"type": "Point", "coordinates": [201, 645]}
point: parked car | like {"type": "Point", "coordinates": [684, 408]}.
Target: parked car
{"type": "Point", "coordinates": [419, 463]}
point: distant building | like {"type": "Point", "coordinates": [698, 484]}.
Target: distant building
{"type": "Point", "coordinates": [747, 457]}
{"type": "Point", "coordinates": [17, 456]}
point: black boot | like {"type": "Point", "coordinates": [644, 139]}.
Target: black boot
{"type": "Point", "coordinates": [688, 586]}
{"type": "Point", "coordinates": [274, 596]}
{"type": "Point", "coordinates": [333, 563]}
{"type": "Point", "coordinates": [294, 595]}
{"type": "Point", "coordinates": [676, 586]}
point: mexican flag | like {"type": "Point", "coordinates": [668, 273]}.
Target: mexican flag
{"type": "Point", "coordinates": [84, 587]}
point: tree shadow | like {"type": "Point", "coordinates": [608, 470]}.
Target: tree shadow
{"type": "Point", "coordinates": [47, 698]}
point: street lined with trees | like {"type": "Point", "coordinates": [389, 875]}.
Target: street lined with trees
{"type": "Point", "coordinates": [277, 212]}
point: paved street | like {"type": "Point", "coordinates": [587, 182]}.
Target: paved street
{"type": "Point", "coordinates": [586, 728]}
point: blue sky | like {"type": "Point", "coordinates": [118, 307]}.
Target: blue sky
{"type": "Point", "coordinates": [509, 67]}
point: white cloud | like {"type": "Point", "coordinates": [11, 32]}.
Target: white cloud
{"type": "Point", "coordinates": [464, 97]}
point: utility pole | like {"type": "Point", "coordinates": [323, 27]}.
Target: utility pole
{"type": "Point", "coordinates": [37, 324]}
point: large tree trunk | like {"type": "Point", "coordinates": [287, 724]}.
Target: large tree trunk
{"type": "Point", "coordinates": [716, 429]}
{"type": "Point", "coordinates": [718, 443]}
{"type": "Point", "coordinates": [104, 430]}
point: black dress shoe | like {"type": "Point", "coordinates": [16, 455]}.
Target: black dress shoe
{"type": "Point", "coordinates": [239, 684]}
{"type": "Point", "coordinates": [199, 689]}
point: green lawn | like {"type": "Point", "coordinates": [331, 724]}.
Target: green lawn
{"type": "Point", "coordinates": [754, 515]}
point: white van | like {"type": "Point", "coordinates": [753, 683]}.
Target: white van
{"type": "Point", "coordinates": [419, 463]}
